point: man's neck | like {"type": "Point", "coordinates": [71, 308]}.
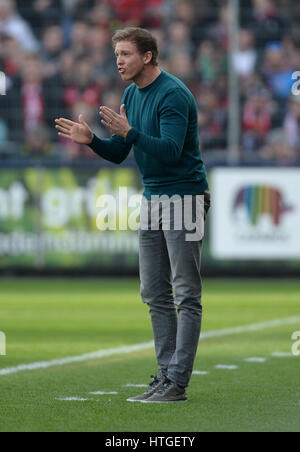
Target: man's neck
{"type": "Point", "coordinates": [147, 77]}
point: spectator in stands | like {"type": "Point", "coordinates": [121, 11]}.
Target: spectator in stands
{"type": "Point", "coordinates": [67, 67]}
{"type": "Point", "coordinates": [179, 40]}
{"type": "Point", "coordinates": [196, 19]}
{"type": "Point", "coordinates": [80, 38]}
{"type": "Point", "coordinates": [181, 65]}
{"type": "Point", "coordinates": [161, 38]}
{"type": "Point", "coordinates": [41, 13]}
{"type": "Point", "coordinates": [102, 56]}
{"type": "Point", "coordinates": [77, 9]}
{"type": "Point", "coordinates": [11, 55]}
{"type": "Point", "coordinates": [12, 24]}
{"type": "Point", "coordinates": [210, 61]}
{"type": "Point", "coordinates": [128, 12]}
{"type": "Point", "coordinates": [32, 97]}
{"type": "Point", "coordinates": [184, 10]}
{"type": "Point", "coordinates": [295, 30]}
{"type": "Point", "coordinates": [245, 58]}
{"type": "Point", "coordinates": [256, 119]}
{"type": "Point", "coordinates": [278, 71]}
{"type": "Point", "coordinates": [267, 23]}
{"type": "Point", "coordinates": [277, 151]}
{"type": "Point", "coordinates": [53, 46]}
{"type": "Point", "coordinates": [135, 12]}
{"type": "Point", "coordinates": [84, 87]}
{"type": "Point", "coordinates": [292, 52]}
{"type": "Point", "coordinates": [155, 13]}
{"type": "Point", "coordinates": [27, 99]}
{"type": "Point", "coordinates": [220, 31]}
{"type": "Point", "coordinates": [212, 118]}
{"type": "Point", "coordinates": [38, 142]}
{"type": "Point", "coordinates": [101, 16]}
{"type": "Point", "coordinates": [291, 124]}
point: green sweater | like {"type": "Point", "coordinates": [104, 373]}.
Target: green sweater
{"type": "Point", "coordinates": [164, 134]}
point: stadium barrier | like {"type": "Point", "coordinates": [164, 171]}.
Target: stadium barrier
{"type": "Point", "coordinates": [49, 220]}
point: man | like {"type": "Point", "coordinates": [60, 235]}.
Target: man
{"type": "Point", "coordinates": [159, 118]}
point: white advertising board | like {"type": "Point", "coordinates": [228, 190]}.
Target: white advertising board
{"type": "Point", "coordinates": [255, 213]}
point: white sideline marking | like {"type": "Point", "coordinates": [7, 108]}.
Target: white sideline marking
{"type": "Point", "coordinates": [72, 399]}
{"type": "Point", "coordinates": [255, 360]}
{"type": "Point", "coordinates": [251, 327]}
{"type": "Point", "coordinates": [103, 393]}
{"type": "Point", "coordinates": [226, 367]}
{"type": "Point", "coordinates": [282, 355]}
{"type": "Point", "coordinates": [200, 372]}
{"type": "Point", "coordinates": [144, 346]}
{"type": "Point", "coordinates": [76, 359]}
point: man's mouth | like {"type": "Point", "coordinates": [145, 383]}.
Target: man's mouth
{"type": "Point", "coordinates": [121, 70]}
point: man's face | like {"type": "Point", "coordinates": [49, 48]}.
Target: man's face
{"type": "Point", "coordinates": [129, 61]}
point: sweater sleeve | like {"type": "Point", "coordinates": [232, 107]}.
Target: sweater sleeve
{"type": "Point", "coordinates": [174, 117]}
{"type": "Point", "coordinates": [114, 149]}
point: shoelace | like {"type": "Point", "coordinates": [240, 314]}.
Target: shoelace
{"type": "Point", "coordinates": [164, 387]}
{"type": "Point", "coordinates": [154, 382]}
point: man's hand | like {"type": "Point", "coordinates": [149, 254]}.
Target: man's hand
{"type": "Point", "coordinates": [79, 133]}
{"type": "Point", "coordinates": [116, 124]}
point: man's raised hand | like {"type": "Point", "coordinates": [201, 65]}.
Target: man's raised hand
{"type": "Point", "coordinates": [79, 133]}
{"type": "Point", "coordinates": [116, 124]}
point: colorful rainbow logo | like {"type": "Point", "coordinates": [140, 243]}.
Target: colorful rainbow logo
{"type": "Point", "coordinates": [259, 200]}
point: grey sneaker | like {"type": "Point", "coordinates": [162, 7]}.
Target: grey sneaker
{"type": "Point", "coordinates": [153, 386]}
{"type": "Point", "coordinates": [167, 392]}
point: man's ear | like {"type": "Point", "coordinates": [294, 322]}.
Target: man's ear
{"type": "Point", "coordinates": [147, 57]}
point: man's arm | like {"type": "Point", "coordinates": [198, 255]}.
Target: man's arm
{"type": "Point", "coordinates": [174, 119]}
{"type": "Point", "coordinates": [114, 149]}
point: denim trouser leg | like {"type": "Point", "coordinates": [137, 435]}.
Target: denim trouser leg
{"type": "Point", "coordinates": [169, 262]}
{"type": "Point", "coordinates": [156, 290]}
{"type": "Point", "coordinates": [185, 258]}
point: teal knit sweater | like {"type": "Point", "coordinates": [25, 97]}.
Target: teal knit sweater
{"type": "Point", "coordinates": [164, 134]}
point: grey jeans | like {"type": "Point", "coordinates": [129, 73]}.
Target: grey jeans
{"type": "Point", "coordinates": [171, 285]}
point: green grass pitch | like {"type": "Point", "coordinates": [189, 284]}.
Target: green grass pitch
{"type": "Point", "coordinates": [51, 319]}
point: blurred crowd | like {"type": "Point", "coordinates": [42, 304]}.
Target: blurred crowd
{"type": "Point", "coordinates": [58, 61]}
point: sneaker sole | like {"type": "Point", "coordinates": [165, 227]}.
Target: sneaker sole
{"type": "Point", "coordinates": [163, 401]}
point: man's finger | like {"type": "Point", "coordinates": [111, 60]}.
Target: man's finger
{"type": "Point", "coordinates": [66, 122]}
{"type": "Point", "coordinates": [64, 135]}
{"type": "Point", "coordinates": [82, 121]}
{"type": "Point", "coordinates": [110, 112]}
{"type": "Point", "coordinates": [123, 111]}
{"type": "Point", "coordinates": [62, 124]}
{"type": "Point", "coordinates": [106, 117]}
{"type": "Point", "coordinates": [106, 124]}
{"type": "Point", "coordinates": [62, 129]}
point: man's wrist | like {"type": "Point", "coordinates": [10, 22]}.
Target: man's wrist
{"type": "Point", "coordinates": [132, 136]}
{"type": "Point", "coordinates": [127, 132]}
{"type": "Point", "coordinates": [92, 138]}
